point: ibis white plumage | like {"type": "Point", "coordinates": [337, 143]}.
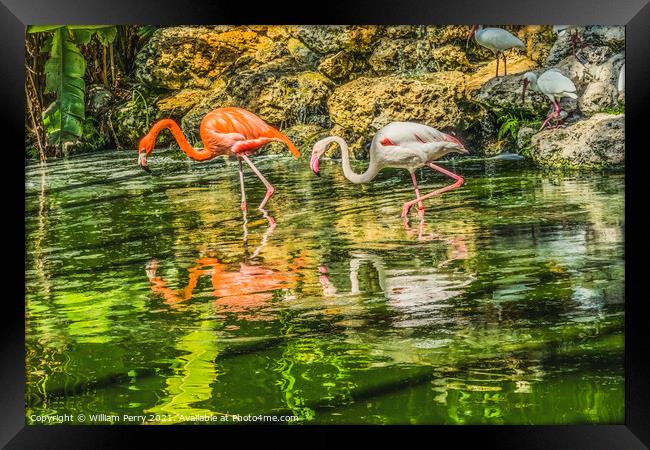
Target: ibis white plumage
{"type": "Point", "coordinates": [553, 85]}
{"type": "Point", "coordinates": [496, 39]}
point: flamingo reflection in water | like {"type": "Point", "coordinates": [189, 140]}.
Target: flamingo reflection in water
{"type": "Point", "coordinates": [238, 291]}
{"type": "Point", "coordinates": [402, 288]}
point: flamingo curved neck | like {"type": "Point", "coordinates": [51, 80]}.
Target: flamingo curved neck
{"type": "Point", "coordinates": [197, 154]}
{"type": "Point", "coordinates": [356, 178]}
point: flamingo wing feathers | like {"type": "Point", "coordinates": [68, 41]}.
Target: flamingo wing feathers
{"type": "Point", "coordinates": [406, 134]}
{"type": "Point", "coordinates": [241, 125]}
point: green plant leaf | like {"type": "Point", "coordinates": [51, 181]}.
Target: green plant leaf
{"type": "Point", "coordinates": [89, 27]}
{"type": "Point", "coordinates": [64, 76]}
{"type": "Point", "coordinates": [106, 35]}
{"type": "Point", "coordinates": [82, 36]}
{"type": "Point", "coordinates": [43, 28]}
{"type": "Point", "coordinates": [145, 31]}
{"type": "Point", "coordinates": [47, 46]}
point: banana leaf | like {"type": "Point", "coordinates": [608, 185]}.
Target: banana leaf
{"type": "Point", "coordinates": [106, 35]}
{"type": "Point", "coordinates": [64, 73]}
{"type": "Point", "coordinates": [42, 28]}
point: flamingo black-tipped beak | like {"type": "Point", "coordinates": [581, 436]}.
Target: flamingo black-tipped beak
{"type": "Point", "coordinates": [142, 161]}
{"type": "Point", "coordinates": [313, 163]}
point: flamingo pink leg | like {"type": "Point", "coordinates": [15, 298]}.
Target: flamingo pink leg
{"type": "Point", "coordinates": [505, 68]}
{"type": "Point", "coordinates": [241, 183]}
{"type": "Point", "coordinates": [417, 194]}
{"type": "Point", "coordinates": [497, 74]}
{"type": "Point", "coordinates": [269, 188]}
{"type": "Point", "coordinates": [458, 183]}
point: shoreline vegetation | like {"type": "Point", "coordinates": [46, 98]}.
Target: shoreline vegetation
{"type": "Point", "coordinates": [93, 88]}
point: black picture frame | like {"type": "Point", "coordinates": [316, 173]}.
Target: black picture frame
{"type": "Point", "coordinates": [634, 14]}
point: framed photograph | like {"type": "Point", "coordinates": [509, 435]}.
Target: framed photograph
{"type": "Point", "coordinates": [378, 215]}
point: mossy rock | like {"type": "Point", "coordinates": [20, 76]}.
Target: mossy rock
{"type": "Point", "coordinates": [332, 39]}
{"type": "Point", "coordinates": [363, 106]}
{"type": "Point", "coordinates": [342, 66]}
{"type": "Point", "coordinates": [595, 142]}
{"type": "Point", "coordinates": [132, 119]}
{"type": "Point", "coordinates": [303, 136]}
{"type": "Point", "coordinates": [193, 57]}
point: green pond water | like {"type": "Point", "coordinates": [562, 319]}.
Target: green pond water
{"type": "Point", "coordinates": [154, 296]}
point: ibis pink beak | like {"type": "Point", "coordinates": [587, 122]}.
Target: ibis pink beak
{"type": "Point", "coordinates": [313, 163]}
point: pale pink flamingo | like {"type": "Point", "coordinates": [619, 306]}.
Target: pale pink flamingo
{"type": "Point", "coordinates": [405, 145]}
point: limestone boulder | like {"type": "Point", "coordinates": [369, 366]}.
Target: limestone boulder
{"type": "Point", "coordinates": [195, 56]}
{"type": "Point", "coordinates": [601, 43]}
{"type": "Point", "coordinates": [361, 107]}
{"type": "Point", "coordinates": [597, 141]}
{"type": "Point", "coordinates": [332, 39]}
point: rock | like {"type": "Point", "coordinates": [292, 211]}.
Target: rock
{"type": "Point", "coordinates": [447, 34]}
{"type": "Point", "coordinates": [597, 96]}
{"type": "Point", "coordinates": [601, 43]}
{"type": "Point", "coordinates": [524, 136]}
{"type": "Point", "coordinates": [178, 104]}
{"type": "Point", "coordinates": [503, 94]}
{"type": "Point", "coordinates": [332, 39]}
{"type": "Point", "coordinates": [304, 136]}
{"type": "Point", "coordinates": [280, 99]}
{"type": "Point", "coordinates": [609, 36]}
{"type": "Point", "coordinates": [596, 83]}
{"type": "Point", "coordinates": [361, 107]}
{"type": "Point", "coordinates": [182, 57]}
{"type": "Point", "coordinates": [97, 98]}
{"type": "Point", "coordinates": [539, 41]}
{"type": "Point", "coordinates": [340, 66]}
{"type": "Point", "coordinates": [133, 119]}
{"type": "Point", "coordinates": [399, 55]}
{"type": "Point", "coordinates": [449, 57]}
{"type": "Point", "coordinates": [517, 66]}
{"type": "Point", "coordinates": [300, 52]}
{"type": "Point", "coordinates": [403, 31]}
{"type": "Point", "coordinates": [406, 55]}
{"type": "Point", "coordinates": [311, 81]}
{"type": "Point", "coordinates": [598, 141]}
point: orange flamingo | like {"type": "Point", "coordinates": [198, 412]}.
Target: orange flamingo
{"type": "Point", "coordinates": [237, 291]}
{"type": "Point", "coordinates": [224, 131]}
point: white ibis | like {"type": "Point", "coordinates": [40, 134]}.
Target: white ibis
{"type": "Point", "coordinates": [496, 39]}
{"type": "Point", "coordinates": [552, 84]}
{"type": "Point", "coordinates": [574, 35]}
{"type": "Point", "coordinates": [621, 79]}
{"type": "Point", "coordinates": [405, 145]}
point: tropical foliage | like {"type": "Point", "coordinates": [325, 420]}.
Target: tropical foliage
{"type": "Point", "coordinates": [60, 59]}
